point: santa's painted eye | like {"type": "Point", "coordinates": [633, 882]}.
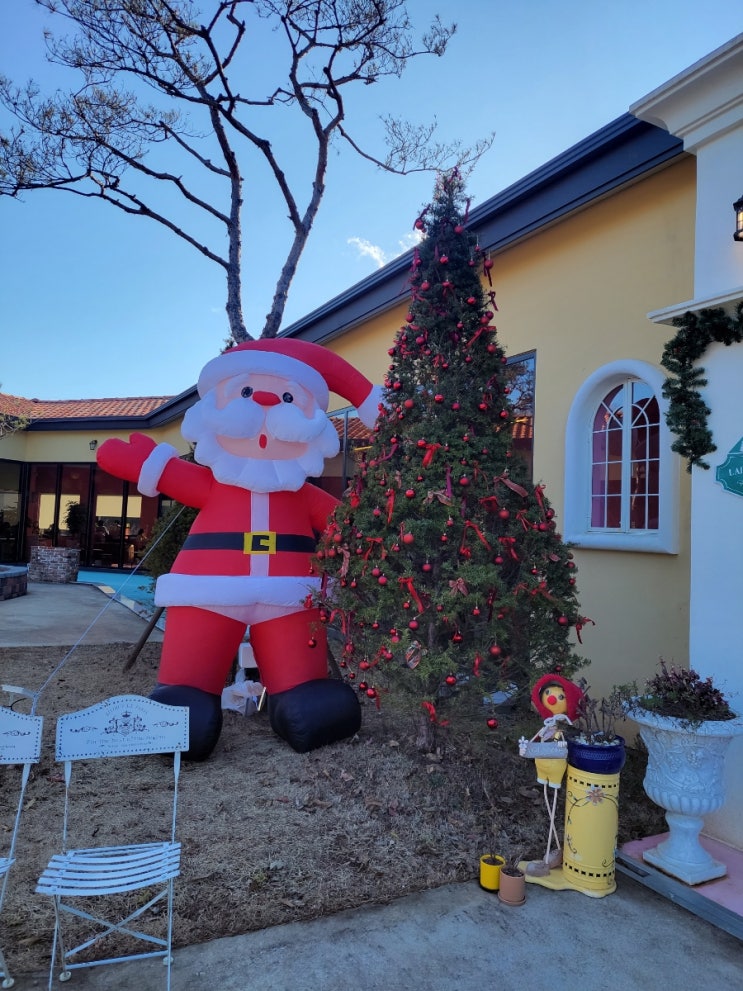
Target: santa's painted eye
{"type": "Point", "coordinates": [288, 397]}
{"type": "Point", "coordinates": [247, 392]}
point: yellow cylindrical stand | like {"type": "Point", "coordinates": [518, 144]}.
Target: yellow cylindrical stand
{"type": "Point", "coordinates": [591, 821]}
{"type": "Point", "coordinates": [591, 824]}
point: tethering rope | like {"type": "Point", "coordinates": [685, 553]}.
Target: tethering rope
{"type": "Point", "coordinates": [35, 696]}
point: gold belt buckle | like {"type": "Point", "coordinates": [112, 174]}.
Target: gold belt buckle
{"type": "Point", "coordinates": [259, 542]}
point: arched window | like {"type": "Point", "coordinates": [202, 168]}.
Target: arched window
{"type": "Point", "coordinates": [621, 480]}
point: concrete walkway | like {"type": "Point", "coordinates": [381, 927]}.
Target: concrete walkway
{"type": "Point", "coordinates": [454, 938]}
{"type": "Point", "coordinates": [458, 938]}
{"type": "Point", "coordinates": [53, 615]}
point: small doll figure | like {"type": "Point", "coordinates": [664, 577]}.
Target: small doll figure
{"type": "Point", "coordinates": [556, 699]}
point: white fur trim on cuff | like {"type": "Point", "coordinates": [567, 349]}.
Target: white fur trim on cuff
{"type": "Point", "coordinates": [369, 410]}
{"type": "Point", "coordinates": [153, 468]}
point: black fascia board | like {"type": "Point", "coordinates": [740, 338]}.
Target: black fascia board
{"type": "Point", "coordinates": [614, 156]}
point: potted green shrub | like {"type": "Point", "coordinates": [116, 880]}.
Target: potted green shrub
{"type": "Point", "coordinates": [687, 724]}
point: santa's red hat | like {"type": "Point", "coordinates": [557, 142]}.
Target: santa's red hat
{"type": "Point", "coordinates": [310, 365]}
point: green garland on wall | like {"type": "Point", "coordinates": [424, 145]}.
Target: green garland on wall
{"type": "Point", "coordinates": [687, 412]}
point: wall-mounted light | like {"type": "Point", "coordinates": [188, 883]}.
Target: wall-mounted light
{"type": "Point", "coordinates": [738, 207]}
{"type": "Point", "coordinates": [93, 445]}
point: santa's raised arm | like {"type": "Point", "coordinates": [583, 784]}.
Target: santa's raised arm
{"type": "Point", "coordinates": [260, 429]}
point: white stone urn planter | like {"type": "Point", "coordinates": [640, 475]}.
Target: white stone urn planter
{"type": "Point", "coordinates": [685, 776]}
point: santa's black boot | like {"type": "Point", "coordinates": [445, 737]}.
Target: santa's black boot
{"type": "Point", "coordinates": [315, 713]}
{"type": "Point", "coordinates": [204, 716]}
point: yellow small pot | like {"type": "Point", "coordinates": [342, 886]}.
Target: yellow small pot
{"type": "Point", "coordinates": [490, 866]}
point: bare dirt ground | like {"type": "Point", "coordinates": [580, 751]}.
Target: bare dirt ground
{"type": "Point", "coordinates": [270, 836]}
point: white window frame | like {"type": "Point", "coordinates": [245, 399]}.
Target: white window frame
{"type": "Point", "coordinates": [578, 452]}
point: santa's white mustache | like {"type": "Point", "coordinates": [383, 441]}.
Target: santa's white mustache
{"type": "Point", "coordinates": [244, 419]}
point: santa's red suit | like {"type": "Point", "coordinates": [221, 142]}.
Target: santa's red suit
{"type": "Point", "coordinates": [248, 559]}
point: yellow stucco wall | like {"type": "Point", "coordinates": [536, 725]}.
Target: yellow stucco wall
{"type": "Point", "coordinates": [74, 446]}
{"type": "Point", "coordinates": [578, 294]}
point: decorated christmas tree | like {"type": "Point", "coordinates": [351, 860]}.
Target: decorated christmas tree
{"type": "Point", "coordinates": [445, 572]}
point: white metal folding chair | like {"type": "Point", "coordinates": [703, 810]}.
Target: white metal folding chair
{"type": "Point", "coordinates": [20, 744]}
{"type": "Point", "coordinates": [122, 726]}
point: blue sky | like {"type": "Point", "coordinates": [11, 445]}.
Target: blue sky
{"type": "Point", "coordinates": [96, 304]}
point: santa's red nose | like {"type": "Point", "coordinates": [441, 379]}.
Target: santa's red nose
{"type": "Point", "coordinates": [266, 398]}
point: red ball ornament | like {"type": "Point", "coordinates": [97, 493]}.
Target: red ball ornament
{"type": "Point", "coordinates": [498, 559]}
{"type": "Point", "coordinates": [455, 406]}
{"type": "Point", "coordinates": [408, 404]}
{"type": "Point", "coordinates": [458, 229]}
{"type": "Point", "coordinates": [410, 493]}
{"type": "Point", "coordinates": [464, 481]}
{"type": "Point", "coordinates": [312, 642]}
{"type": "Point", "coordinates": [471, 300]}
{"type": "Point", "coordinates": [444, 259]}
{"type": "Point", "coordinates": [503, 513]}
{"type": "Point", "coordinates": [376, 572]}
{"type": "Point", "coordinates": [503, 414]}
{"type": "Point", "coordinates": [457, 638]}
{"type": "Point", "coordinates": [427, 566]}
{"type": "Point", "coordinates": [397, 385]}
{"type": "Point", "coordinates": [413, 624]}
{"type": "Point", "coordinates": [483, 407]}
{"type": "Point", "coordinates": [492, 723]}
{"type": "Point", "coordinates": [425, 286]}
{"type": "Point", "coordinates": [382, 580]}
{"type": "Point", "coordinates": [408, 538]}
{"type": "Point", "coordinates": [451, 679]}
{"type": "Point", "coordinates": [363, 685]}
{"type": "Point", "coordinates": [422, 442]}
{"type": "Point", "coordinates": [371, 693]}
{"type": "Point", "coordinates": [375, 625]}
{"type": "Point", "coordinates": [438, 398]}
{"type": "Point", "coordinates": [563, 620]}
{"type": "Point", "coordinates": [364, 666]}
{"type": "Point", "coordinates": [476, 611]}
{"type": "Point", "coordinates": [376, 511]}
{"type": "Point", "coordinates": [495, 650]}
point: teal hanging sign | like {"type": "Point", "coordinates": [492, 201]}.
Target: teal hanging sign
{"type": "Point", "coordinates": [730, 473]}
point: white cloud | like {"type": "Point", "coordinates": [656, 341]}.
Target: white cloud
{"type": "Point", "coordinates": [378, 255]}
{"type": "Point", "coordinates": [409, 241]}
{"type": "Point", "coordinates": [368, 250]}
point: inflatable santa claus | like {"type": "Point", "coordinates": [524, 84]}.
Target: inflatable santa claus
{"type": "Point", "coordinates": [260, 429]}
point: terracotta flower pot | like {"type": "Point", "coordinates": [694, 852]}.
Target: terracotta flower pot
{"type": "Point", "coordinates": [490, 868]}
{"type": "Point", "coordinates": [512, 890]}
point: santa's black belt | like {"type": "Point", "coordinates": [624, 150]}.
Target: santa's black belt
{"type": "Point", "coordinates": [255, 542]}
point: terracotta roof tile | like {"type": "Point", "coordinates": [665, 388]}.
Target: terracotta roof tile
{"type": "Point", "coordinates": [80, 409]}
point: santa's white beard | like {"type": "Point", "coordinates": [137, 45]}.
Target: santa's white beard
{"type": "Point", "coordinates": [243, 418]}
